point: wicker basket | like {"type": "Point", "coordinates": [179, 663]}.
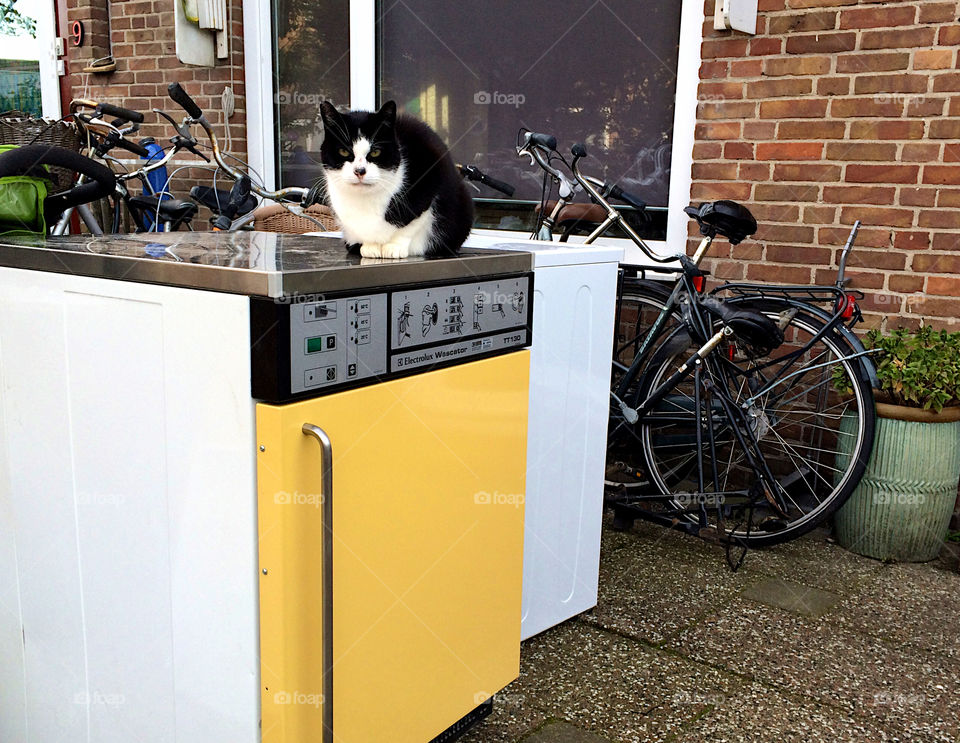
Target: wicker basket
{"type": "Point", "coordinates": [20, 129]}
{"type": "Point", "coordinates": [277, 218]}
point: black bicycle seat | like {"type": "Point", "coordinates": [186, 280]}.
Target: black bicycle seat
{"type": "Point", "coordinates": [752, 328]}
{"type": "Point", "coordinates": [728, 218]}
{"type": "Point", "coordinates": [170, 209]}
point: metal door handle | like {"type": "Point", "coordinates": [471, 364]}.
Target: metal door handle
{"type": "Point", "coordinates": [326, 526]}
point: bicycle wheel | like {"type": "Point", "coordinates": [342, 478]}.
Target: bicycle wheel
{"type": "Point", "coordinates": [639, 306]}
{"type": "Point", "coordinates": [813, 440]}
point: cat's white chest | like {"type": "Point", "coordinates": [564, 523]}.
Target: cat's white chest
{"type": "Point", "coordinates": [361, 211]}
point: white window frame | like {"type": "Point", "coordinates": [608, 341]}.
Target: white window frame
{"type": "Point", "coordinates": [42, 50]}
{"type": "Point", "coordinates": [363, 95]}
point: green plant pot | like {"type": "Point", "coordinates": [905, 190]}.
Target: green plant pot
{"type": "Point", "coordinates": [902, 507]}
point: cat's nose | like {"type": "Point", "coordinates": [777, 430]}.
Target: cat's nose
{"type": "Point", "coordinates": [360, 172]}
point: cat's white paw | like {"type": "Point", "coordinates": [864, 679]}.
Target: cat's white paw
{"type": "Point", "coordinates": [396, 249]}
{"type": "Point", "coordinates": [372, 250]}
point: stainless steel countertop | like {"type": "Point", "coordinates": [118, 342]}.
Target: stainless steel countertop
{"type": "Point", "coordinates": [253, 263]}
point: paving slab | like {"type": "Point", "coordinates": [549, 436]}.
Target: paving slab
{"type": "Point", "coordinates": [795, 597]}
{"type": "Point", "coordinates": [562, 732]}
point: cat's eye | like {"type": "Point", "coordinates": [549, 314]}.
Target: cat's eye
{"type": "Point", "coordinates": [375, 152]}
{"type": "Point", "coordinates": [344, 152]}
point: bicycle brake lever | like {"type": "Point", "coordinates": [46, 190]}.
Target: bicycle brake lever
{"type": "Point", "coordinates": [181, 129]}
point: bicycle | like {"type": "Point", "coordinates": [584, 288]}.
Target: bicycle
{"type": "Point", "coordinates": [724, 420]}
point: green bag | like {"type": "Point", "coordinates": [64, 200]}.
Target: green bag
{"type": "Point", "coordinates": [21, 203]}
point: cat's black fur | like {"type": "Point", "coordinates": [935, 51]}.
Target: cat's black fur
{"type": "Point", "coordinates": [431, 180]}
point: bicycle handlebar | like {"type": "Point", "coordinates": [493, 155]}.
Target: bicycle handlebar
{"type": "Point", "coordinates": [180, 97]}
{"type": "Point", "coordinates": [25, 159]}
{"type": "Point", "coordinates": [473, 173]}
{"type": "Point", "coordinates": [121, 113]}
{"type": "Point", "coordinates": [543, 140]}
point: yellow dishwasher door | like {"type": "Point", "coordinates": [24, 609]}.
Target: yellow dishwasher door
{"type": "Point", "coordinates": [428, 475]}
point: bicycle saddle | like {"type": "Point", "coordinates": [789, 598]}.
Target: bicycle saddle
{"type": "Point", "coordinates": [593, 213]}
{"type": "Point", "coordinates": [173, 210]}
{"type": "Point", "coordinates": [754, 329]}
{"type": "Point", "coordinates": [728, 218]}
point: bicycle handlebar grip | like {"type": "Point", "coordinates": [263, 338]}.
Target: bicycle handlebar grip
{"type": "Point", "coordinates": [121, 113]}
{"type": "Point", "coordinates": [23, 160]}
{"type": "Point", "coordinates": [504, 188]}
{"type": "Point", "coordinates": [578, 150]}
{"type": "Point", "coordinates": [544, 140]}
{"type": "Point", "coordinates": [628, 198]}
{"type": "Point", "coordinates": [135, 147]}
{"type": "Point", "coordinates": [181, 98]}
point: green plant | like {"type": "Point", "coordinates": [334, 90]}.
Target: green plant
{"type": "Point", "coordinates": [916, 368]}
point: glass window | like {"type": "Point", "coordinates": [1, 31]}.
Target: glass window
{"type": "Point", "coordinates": [20, 86]}
{"type": "Point", "coordinates": [311, 64]}
{"type": "Point", "coordinates": [602, 73]}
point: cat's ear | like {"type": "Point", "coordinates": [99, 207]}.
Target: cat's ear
{"type": "Point", "coordinates": [388, 113]}
{"type": "Point", "coordinates": [329, 113]}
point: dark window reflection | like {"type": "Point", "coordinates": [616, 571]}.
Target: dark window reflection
{"type": "Point", "coordinates": [312, 64]}
{"type": "Point", "coordinates": [602, 72]}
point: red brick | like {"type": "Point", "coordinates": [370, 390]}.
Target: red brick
{"type": "Point", "coordinates": [910, 196]}
{"type": "Point", "coordinates": [932, 59]}
{"type": "Point", "coordinates": [759, 130]}
{"type": "Point", "coordinates": [783, 86]}
{"type": "Point", "coordinates": [799, 22]}
{"type": "Point", "coordinates": [886, 151]}
{"type": "Point", "coordinates": [781, 192]}
{"type": "Point", "coordinates": [727, 110]}
{"type": "Point", "coordinates": [859, 194]}
{"type": "Point", "coordinates": [823, 43]}
{"type": "Point", "coordinates": [730, 47]}
{"type": "Point", "coordinates": [784, 233]}
{"type": "Point", "coordinates": [942, 174]}
{"type": "Point", "coordinates": [845, 108]}
{"type": "Point", "coordinates": [819, 215]}
{"type": "Point", "coordinates": [903, 240]}
{"type": "Point", "coordinates": [920, 105]}
{"type": "Point", "coordinates": [718, 130]}
{"type": "Point", "coordinates": [940, 262]}
{"type": "Point", "coordinates": [794, 108]}
{"type": "Point", "coordinates": [738, 151]}
{"type": "Point", "coordinates": [945, 129]}
{"type": "Point", "coordinates": [905, 283]}
{"type": "Point", "coordinates": [866, 238]}
{"type": "Point", "coordinates": [882, 173]}
{"type": "Point", "coordinates": [714, 191]}
{"type": "Point", "coordinates": [712, 69]}
{"type": "Point", "coordinates": [707, 150]}
{"type": "Point", "coordinates": [951, 152]}
{"type": "Point", "coordinates": [721, 91]}
{"type": "Point", "coordinates": [833, 86]}
{"type": "Point", "coordinates": [805, 255]}
{"type": "Point", "coordinates": [948, 198]}
{"type": "Point", "coordinates": [818, 3]}
{"type": "Point", "coordinates": [891, 84]}
{"type": "Point", "coordinates": [943, 219]}
{"type": "Point", "coordinates": [805, 172]}
{"type": "Point", "coordinates": [765, 213]}
{"type": "Point", "coordinates": [886, 130]}
{"type": "Point", "coordinates": [949, 35]}
{"type": "Point", "coordinates": [714, 171]}
{"type": "Point", "coordinates": [884, 17]}
{"type": "Point", "coordinates": [789, 151]}
{"type": "Point", "coordinates": [944, 286]}
{"type": "Point", "coordinates": [817, 130]}
{"type": "Point", "coordinates": [765, 45]}
{"type": "Point", "coordinates": [877, 216]}
{"type": "Point", "coordinates": [931, 12]}
{"type": "Point", "coordinates": [877, 62]}
{"type": "Point", "coordinates": [946, 83]}
{"type": "Point", "coordinates": [884, 259]}
{"type": "Point", "coordinates": [796, 66]}
{"type": "Point", "coordinates": [743, 68]}
{"type": "Point", "coordinates": [898, 39]}
{"type": "Point", "coordinates": [751, 171]}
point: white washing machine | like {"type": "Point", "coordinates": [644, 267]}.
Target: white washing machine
{"type": "Point", "coordinates": [574, 305]}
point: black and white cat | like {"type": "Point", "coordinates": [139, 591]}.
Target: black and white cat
{"type": "Point", "coordinates": [392, 184]}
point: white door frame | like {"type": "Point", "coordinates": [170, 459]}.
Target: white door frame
{"type": "Point", "coordinates": [258, 46]}
{"type": "Point", "coordinates": [43, 50]}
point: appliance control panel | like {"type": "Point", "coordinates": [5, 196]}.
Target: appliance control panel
{"type": "Point", "coordinates": [323, 343]}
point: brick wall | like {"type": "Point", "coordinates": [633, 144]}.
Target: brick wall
{"type": "Point", "coordinates": [840, 110]}
{"type": "Point", "coordinates": [142, 41]}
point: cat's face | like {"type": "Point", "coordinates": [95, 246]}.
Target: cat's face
{"type": "Point", "coordinates": [360, 149]}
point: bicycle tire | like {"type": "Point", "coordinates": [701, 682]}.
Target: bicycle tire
{"type": "Point", "coordinates": [790, 443]}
